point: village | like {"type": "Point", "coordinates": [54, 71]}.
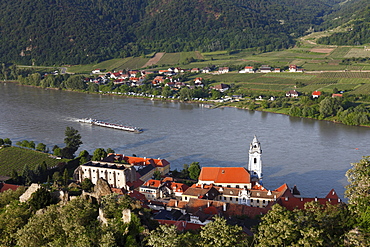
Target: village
{"type": "Point", "coordinates": [222, 191]}
{"type": "Point", "coordinates": [170, 78]}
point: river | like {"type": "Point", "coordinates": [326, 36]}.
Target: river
{"type": "Point", "coordinates": [312, 154]}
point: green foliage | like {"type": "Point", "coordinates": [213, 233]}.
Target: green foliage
{"type": "Point", "coordinates": [218, 233]}
{"type": "Point", "coordinates": [99, 154]}
{"type": "Point", "coordinates": [8, 196]}
{"type": "Point", "coordinates": [357, 191]}
{"type": "Point", "coordinates": [87, 185]}
{"type": "Point", "coordinates": [316, 225]}
{"type": "Point", "coordinates": [12, 218]}
{"type": "Point", "coordinates": [194, 170]}
{"type": "Point", "coordinates": [40, 199]}
{"type": "Point", "coordinates": [72, 140]}
{"type": "Point", "coordinates": [165, 236]}
{"type": "Point", "coordinates": [7, 142]}
{"type": "Point", "coordinates": [41, 147]}
{"type": "Point", "coordinates": [65, 32]}
{"type": "Point", "coordinates": [157, 175]}
{"type": "Point", "coordinates": [74, 224]}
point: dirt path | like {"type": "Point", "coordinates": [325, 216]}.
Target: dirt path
{"type": "Point", "coordinates": [154, 60]}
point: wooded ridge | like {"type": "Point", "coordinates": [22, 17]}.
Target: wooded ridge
{"type": "Point", "coordinates": [53, 32]}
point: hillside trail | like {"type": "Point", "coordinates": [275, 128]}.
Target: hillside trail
{"type": "Point", "coordinates": [154, 60]}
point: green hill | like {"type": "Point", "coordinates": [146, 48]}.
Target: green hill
{"type": "Point", "coordinates": [15, 158]}
{"type": "Point", "coordinates": [353, 20]}
{"type": "Point", "coordinates": [54, 32]}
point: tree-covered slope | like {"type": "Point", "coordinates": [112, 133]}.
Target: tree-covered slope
{"type": "Point", "coordinates": [68, 31]}
{"type": "Point", "coordinates": [354, 18]}
{"type": "Point", "coordinates": [85, 31]}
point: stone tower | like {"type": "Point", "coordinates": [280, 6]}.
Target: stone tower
{"type": "Point", "coordinates": [255, 161]}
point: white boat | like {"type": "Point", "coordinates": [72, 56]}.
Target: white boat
{"type": "Point", "coordinates": [110, 125]}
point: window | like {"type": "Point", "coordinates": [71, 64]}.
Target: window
{"type": "Point", "coordinates": [186, 198]}
{"type": "Point", "coordinates": [255, 160]}
{"type": "Point", "coordinates": [237, 186]}
{"type": "Point", "coordinates": [229, 186]}
{"type": "Point", "coordinates": [251, 200]}
{"type": "Point", "coordinates": [236, 199]}
{"type": "Point", "coordinates": [258, 201]}
{"type": "Point", "coordinates": [263, 201]}
{"type": "Point", "coordinates": [224, 198]}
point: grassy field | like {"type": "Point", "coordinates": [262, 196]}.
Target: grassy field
{"type": "Point", "coordinates": [357, 52]}
{"type": "Point", "coordinates": [170, 58]}
{"type": "Point", "coordinates": [16, 157]}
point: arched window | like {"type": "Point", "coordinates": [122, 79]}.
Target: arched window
{"type": "Point", "coordinates": [255, 160]}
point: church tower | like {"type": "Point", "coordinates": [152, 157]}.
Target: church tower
{"type": "Point", "coordinates": [255, 161]}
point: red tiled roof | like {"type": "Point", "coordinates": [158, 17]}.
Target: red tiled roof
{"type": "Point", "coordinates": [117, 190]}
{"type": "Point", "coordinates": [225, 175]}
{"type": "Point", "coordinates": [146, 161]}
{"type": "Point", "coordinates": [332, 195]}
{"type": "Point", "coordinates": [336, 95]}
{"type": "Point", "coordinates": [168, 179]}
{"type": "Point", "coordinates": [232, 209]}
{"type": "Point", "coordinates": [137, 195]}
{"type": "Point", "coordinates": [5, 187]}
{"type": "Point", "coordinates": [178, 187]}
{"type": "Point", "coordinates": [135, 184]}
{"type": "Point", "coordinates": [292, 203]}
{"type": "Point", "coordinates": [318, 93]}
{"type": "Point", "coordinates": [211, 210]}
{"type": "Point", "coordinates": [153, 183]}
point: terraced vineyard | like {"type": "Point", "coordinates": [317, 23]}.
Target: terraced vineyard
{"type": "Point", "coordinates": [345, 75]}
{"type": "Point", "coordinates": [15, 158]}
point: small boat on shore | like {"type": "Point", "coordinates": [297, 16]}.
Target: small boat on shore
{"type": "Point", "coordinates": [110, 125]}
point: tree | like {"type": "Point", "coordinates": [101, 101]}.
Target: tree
{"type": "Point", "coordinates": [357, 191]}
{"type": "Point", "coordinates": [164, 236]}
{"type": "Point", "coordinates": [218, 234]}
{"type": "Point", "coordinates": [31, 145]}
{"type": "Point", "coordinates": [1, 142]}
{"type": "Point", "coordinates": [277, 221]}
{"type": "Point", "coordinates": [12, 218]}
{"type": "Point", "coordinates": [27, 174]}
{"type": "Point", "coordinates": [41, 147]}
{"type": "Point", "coordinates": [194, 170]}
{"type": "Point", "coordinates": [72, 140]}
{"type": "Point", "coordinates": [65, 177]}
{"type": "Point", "coordinates": [110, 151]}
{"type": "Point", "coordinates": [84, 157]}
{"type": "Point", "coordinates": [157, 175]}
{"type": "Point", "coordinates": [25, 143]}
{"type": "Point", "coordinates": [57, 151]}
{"type": "Point", "coordinates": [99, 154]}
{"type": "Point", "coordinates": [87, 185]}
{"type": "Point", "coordinates": [7, 142]}
{"type": "Point", "coordinates": [166, 92]}
{"type": "Point", "coordinates": [40, 199]}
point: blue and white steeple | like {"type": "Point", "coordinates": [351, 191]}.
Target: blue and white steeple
{"type": "Point", "coordinates": [255, 161]}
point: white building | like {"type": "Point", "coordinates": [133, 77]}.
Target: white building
{"type": "Point", "coordinates": [117, 175]}
{"type": "Point", "coordinates": [255, 161]}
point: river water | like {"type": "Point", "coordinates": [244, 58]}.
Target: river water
{"type": "Point", "coordinates": [314, 155]}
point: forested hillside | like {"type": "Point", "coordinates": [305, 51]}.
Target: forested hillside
{"type": "Point", "coordinates": [48, 32]}
{"type": "Point", "coordinates": [354, 17]}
